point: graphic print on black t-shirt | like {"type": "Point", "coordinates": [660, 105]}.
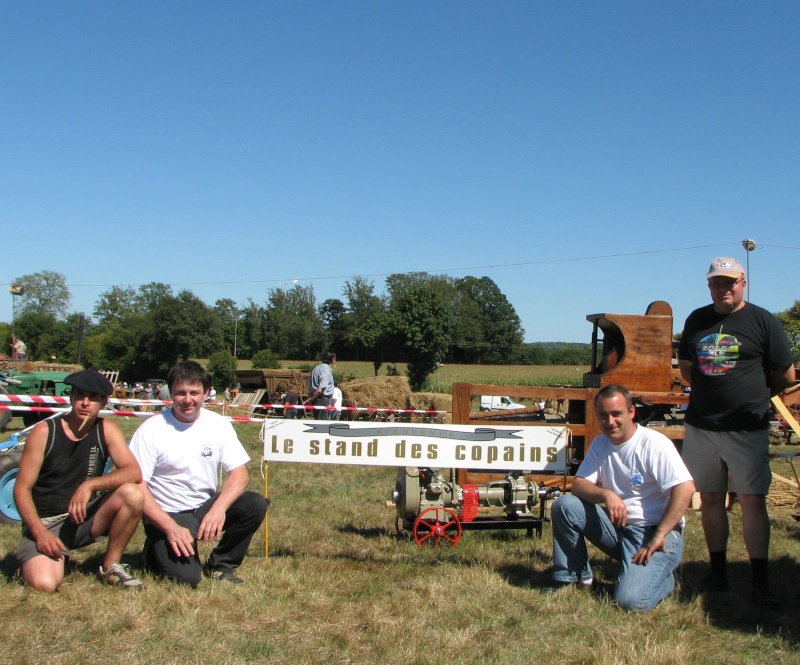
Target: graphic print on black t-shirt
{"type": "Point", "coordinates": [717, 353]}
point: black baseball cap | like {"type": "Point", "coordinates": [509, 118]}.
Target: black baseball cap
{"type": "Point", "coordinates": [90, 381]}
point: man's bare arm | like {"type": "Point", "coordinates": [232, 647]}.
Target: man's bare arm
{"type": "Point", "coordinates": [29, 467]}
{"type": "Point", "coordinates": [592, 493]}
{"type": "Point", "coordinates": [679, 498]}
{"type": "Point", "coordinates": [781, 379]}
{"type": "Point", "coordinates": [686, 370]}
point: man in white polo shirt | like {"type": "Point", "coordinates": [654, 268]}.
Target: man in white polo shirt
{"type": "Point", "coordinates": [180, 451]}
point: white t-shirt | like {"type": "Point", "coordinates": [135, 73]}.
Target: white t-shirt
{"type": "Point", "coordinates": [641, 471]}
{"type": "Point", "coordinates": [336, 400]}
{"type": "Point", "coordinates": [180, 461]}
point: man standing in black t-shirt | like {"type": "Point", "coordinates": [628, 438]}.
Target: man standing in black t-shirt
{"type": "Point", "coordinates": [735, 355]}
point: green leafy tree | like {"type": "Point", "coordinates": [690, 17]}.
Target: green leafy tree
{"type": "Point", "coordinates": [251, 329]}
{"type": "Point", "coordinates": [92, 352]}
{"type": "Point", "coordinates": [150, 295]}
{"type": "Point", "coordinates": [119, 345]}
{"type": "Point", "coordinates": [468, 344]}
{"type": "Point", "coordinates": [362, 306]}
{"type": "Point", "coordinates": [228, 315]}
{"type": "Point", "coordinates": [265, 359]}
{"type": "Point", "coordinates": [293, 328]}
{"type": "Point", "coordinates": [535, 355]}
{"type": "Point", "coordinates": [115, 304]}
{"type": "Point", "coordinates": [422, 325]}
{"type": "Point", "coordinates": [33, 328]}
{"type": "Point", "coordinates": [221, 369]}
{"type": "Point", "coordinates": [5, 336]}
{"type": "Point", "coordinates": [501, 331]}
{"type": "Point", "coordinates": [176, 328]}
{"type": "Point", "coordinates": [338, 326]}
{"type": "Point", "coordinates": [46, 292]}
{"type": "Point", "coordinates": [62, 341]}
{"type": "Point", "coordinates": [126, 329]}
{"type": "Point", "coordinates": [790, 320]}
{"type": "Point", "coordinates": [377, 337]}
{"type": "Point", "coordinates": [572, 355]}
{"type": "Point", "coordinates": [399, 283]}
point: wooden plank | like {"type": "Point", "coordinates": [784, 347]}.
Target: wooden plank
{"type": "Point", "coordinates": [548, 392]}
{"type": "Point", "coordinates": [775, 476]}
{"type": "Point", "coordinates": [787, 415]}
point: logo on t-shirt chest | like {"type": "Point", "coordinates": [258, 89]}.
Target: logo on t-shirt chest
{"type": "Point", "coordinates": [717, 353]}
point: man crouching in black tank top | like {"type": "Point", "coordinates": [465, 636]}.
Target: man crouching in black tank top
{"type": "Point", "coordinates": [56, 492]}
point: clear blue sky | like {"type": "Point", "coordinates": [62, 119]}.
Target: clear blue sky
{"type": "Point", "coordinates": [588, 157]}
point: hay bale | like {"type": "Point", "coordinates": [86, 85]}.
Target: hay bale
{"type": "Point", "coordinates": [382, 392]}
{"type": "Point", "coordinates": [431, 401]}
{"type": "Point", "coordinates": [42, 366]}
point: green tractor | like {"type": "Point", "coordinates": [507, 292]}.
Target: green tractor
{"type": "Point", "coordinates": [31, 383]}
{"type": "Point", "coordinates": [22, 383]}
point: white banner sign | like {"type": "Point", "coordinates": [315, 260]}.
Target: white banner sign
{"type": "Point", "coordinates": [504, 448]}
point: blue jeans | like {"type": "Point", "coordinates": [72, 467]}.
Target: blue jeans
{"type": "Point", "coordinates": [638, 588]}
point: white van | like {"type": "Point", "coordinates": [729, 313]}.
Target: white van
{"type": "Point", "coordinates": [499, 403]}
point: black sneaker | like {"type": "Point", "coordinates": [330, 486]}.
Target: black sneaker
{"type": "Point", "coordinates": [223, 575]}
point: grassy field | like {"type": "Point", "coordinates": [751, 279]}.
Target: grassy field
{"type": "Point", "coordinates": [441, 381]}
{"type": "Point", "coordinates": [339, 586]}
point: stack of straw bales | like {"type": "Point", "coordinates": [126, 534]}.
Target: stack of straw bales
{"type": "Point", "coordinates": [390, 392]}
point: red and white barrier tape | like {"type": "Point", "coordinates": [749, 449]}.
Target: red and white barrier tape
{"type": "Point", "coordinates": [236, 419]}
{"type": "Point", "coordinates": [34, 399]}
{"type": "Point", "coordinates": [49, 399]}
{"type": "Point", "coordinates": [367, 409]}
{"type": "Point", "coordinates": [113, 412]}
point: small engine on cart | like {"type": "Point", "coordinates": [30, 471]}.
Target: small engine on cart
{"type": "Point", "coordinates": [432, 506]}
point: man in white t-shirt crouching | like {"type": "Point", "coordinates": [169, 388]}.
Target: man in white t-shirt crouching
{"type": "Point", "coordinates": [180, 451]}
{"type": "Point", "coordinates": [628, 499]}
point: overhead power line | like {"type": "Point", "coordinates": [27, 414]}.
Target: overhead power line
{"type": "Point", "coordinates": [489, 266]}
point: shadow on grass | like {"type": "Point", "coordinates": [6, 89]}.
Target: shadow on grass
{"type": "Point", "coordinates": [734, 609]}
{"type": "Point", "coordinates": [9, 567]}
{"type": "Point", "coordinates": [77, 564]}
{"type": "Point", "coordinates": [524, 576]}
{"type": "Point", "coordinates": [367, 533]}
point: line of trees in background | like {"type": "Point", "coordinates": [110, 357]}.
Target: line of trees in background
{"type": "Point", "coordinates": [421, 319]}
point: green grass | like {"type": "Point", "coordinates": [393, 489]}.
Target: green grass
{"type": "Point", "coordinates": [441, 380]}
{"type": "Point", "coordinates": [340, 587]}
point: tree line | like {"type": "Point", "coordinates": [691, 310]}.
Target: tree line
{"type": "Point", "coordinates": [420, 319]}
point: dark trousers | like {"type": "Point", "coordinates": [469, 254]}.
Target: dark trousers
{"type": "Point", "coordinates": [241, 521]}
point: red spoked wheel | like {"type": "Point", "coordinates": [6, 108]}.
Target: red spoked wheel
{"type": "Point", "coordinates": [436, 523]}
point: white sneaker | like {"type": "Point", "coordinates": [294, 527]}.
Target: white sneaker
{"type": "Point", "coordinates": [118, 574]}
